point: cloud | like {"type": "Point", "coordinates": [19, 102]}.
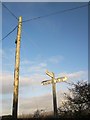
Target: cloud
{"type": "Point", "coordinates": [75, 76]}
{"type": "Point", "coordinates": [31, 74]}
{"type": "Point", "coordinates": [28, 66]}
{"type": "Point", "coordinates": [26, 62]}
{"type": "Point", "coordinates": [38, 68]}
{"type": "Point", "coordinates": [30, 105]}
{"type": "Point", "coordinates": [55, 59]}
{"type": "Point", "coordinates": [40, 64]}
{"type": "Point", "coordinates": [6, 106]}
{"type": "Point", "coordinates": [42, 102]}
{"type": "Point", "coordinates": [36, 79]}
{"type": "Point", "coordinates": [37, 65]}
{"type": "Point", "coordinates": [79, 74]}
{"type": "Point", "coordinates": [7, 83]}
{"type": "Point", "coordinates": [8, 79]}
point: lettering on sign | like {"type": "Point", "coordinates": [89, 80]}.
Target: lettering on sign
{"type": "Point", "coordinates": [46, 82]}
{"type": "Point", "coordinates": [61, 79]}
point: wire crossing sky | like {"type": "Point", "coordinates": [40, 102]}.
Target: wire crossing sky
{"type": "Point", "coordinates": [58, 12]}
{"type": "Point", "coordinates": [10, 12]}
{"type": "Point", "coordinates": [9, 33]}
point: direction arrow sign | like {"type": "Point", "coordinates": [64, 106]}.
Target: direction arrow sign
{"type": "Point", "coordinates": [61, 79]}
{"type": "Point", "coordinates": [51, 74]}
{"type": "Point", "coordinates": [46, 82]}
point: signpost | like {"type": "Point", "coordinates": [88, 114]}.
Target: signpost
{"type": "Point", "coordinates": [53, 81]}
{"type": "Point", "coordinates": [51, 74]}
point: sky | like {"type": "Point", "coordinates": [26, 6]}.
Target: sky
{"type": "Point", "coordinates": [58, 43]}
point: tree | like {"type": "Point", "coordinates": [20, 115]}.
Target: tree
{"type": "Point", "coordinates": [78, 100]}
{"type": "Point", "coordinates": [37, 114]}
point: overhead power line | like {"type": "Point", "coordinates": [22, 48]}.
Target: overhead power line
{"type": "Point", "coordinates": [54, 13]}
{"type": "Point", "coordinates": [10, 11]}
{"type": "Point", "coordinates": [9, 33]}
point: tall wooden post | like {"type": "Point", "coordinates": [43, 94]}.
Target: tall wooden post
{"type": "Point", "coordinates": [16, 71]}
{"type": "Point", "coordinates": [54, 95]}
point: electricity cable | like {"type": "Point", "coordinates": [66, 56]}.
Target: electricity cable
{"type": "Point", "coordinates": [54, 13]}
{"type": "Point", "coordinates": [9, 33]}
{"type": "Point", "coordinates": [10, 11]}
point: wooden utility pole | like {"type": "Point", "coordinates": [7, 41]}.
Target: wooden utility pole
{"type": "Point", "coordinates": [16, 71]}
{"type": "Point", "coordinates": [53, 81]}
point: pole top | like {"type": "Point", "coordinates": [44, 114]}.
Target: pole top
{"type": "Point", "coordinates": [20, 18]}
